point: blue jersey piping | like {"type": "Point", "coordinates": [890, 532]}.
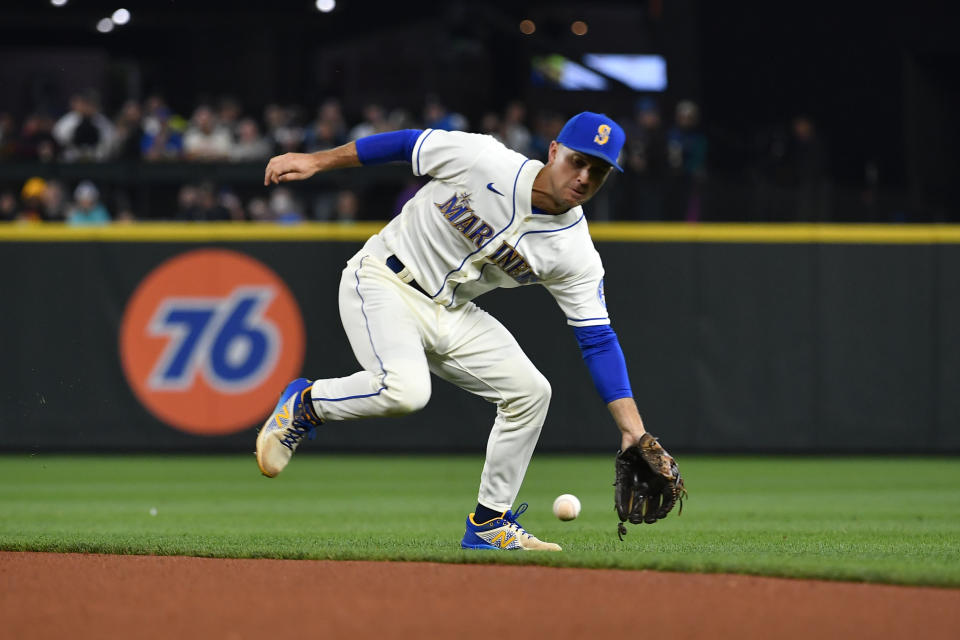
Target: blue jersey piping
{"type": "Point", "coordinates": [383, 373]}
{"type": "Point", "coordinates": [453, 294]}
{"type": "Point", "coordinates": [513, 215]}
{"type": "Point", "coordinates": [422, 142]}
{"type": "Point", "coordinates": [517, 246]}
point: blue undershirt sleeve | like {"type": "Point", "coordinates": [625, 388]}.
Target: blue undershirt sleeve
{"type": "Point", "coordinates": [604, 357]}
{"type": "Point", "coordinates": [392, 146]}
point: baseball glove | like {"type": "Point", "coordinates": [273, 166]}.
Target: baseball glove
{"type": "Point", "coordinates": [647, 484]}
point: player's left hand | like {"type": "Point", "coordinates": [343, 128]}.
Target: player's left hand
{"type": "Point", "coordinates": [288, 167]}
{"type": "Point", "coordinates": [647, 485]}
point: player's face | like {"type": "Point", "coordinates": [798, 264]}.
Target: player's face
{"type": "Point", "coordinates": [575, 177]}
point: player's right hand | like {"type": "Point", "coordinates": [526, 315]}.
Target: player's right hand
{"type": "Point", "coordinates": [288, 167]}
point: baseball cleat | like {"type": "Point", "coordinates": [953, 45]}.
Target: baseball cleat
{"type": "Point", "coordinates": [503, 533]}
{"type": "Point", "coordinates": [283, 431]}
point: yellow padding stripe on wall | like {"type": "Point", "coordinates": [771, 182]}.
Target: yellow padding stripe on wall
{"type": "Point", "coordinates": [776, 233]}
{"type": "Point", "coordinates": [601, 231]}
{"type": "Point", "coordinates": [191, 232]}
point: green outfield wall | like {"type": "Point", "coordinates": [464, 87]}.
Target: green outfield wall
{"type": "Point", "coordinates": [738, 338]}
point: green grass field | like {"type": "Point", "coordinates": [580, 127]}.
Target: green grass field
{"type": "Point", "coordinates": [866, 519]}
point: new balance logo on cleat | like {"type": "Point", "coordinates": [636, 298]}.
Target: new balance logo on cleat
{"type": "Point", "coordinates": [503, 534]}
{"type": "Point", "coordinates": [284, 430]}
{"type": "Point", "coordinates": [502, 540]}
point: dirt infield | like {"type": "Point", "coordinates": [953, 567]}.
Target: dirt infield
{"type": "Point", "coordinates": [98, 596]}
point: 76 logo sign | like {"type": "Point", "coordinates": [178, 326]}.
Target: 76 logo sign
{"type": "Point", "coordinates": [226, 340]}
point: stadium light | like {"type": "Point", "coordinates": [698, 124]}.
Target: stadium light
{"type": "Point", "coordinates": [105, 25]}
{"type": "Point", "coordinates": [58, 3]}
{"type": "Point", "coordinates": [121, 17]}
{"type": "Point", "coordinates": [326, 6]}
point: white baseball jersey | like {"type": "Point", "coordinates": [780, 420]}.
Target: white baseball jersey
{"type": "Point", "coordinates": [471, 229]}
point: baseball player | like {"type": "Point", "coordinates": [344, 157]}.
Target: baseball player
{"type": "Point", "coordinates": [489, 218]}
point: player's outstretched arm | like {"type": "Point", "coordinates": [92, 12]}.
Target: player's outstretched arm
{"type": "Point", "coordinates": [608, 368]}
{"type": "Point", "coordinates": [627, 417]}
{"type": "Point", "coordinates": [647, 482]}
{"type": "Point", "coordinates": [300, 166]}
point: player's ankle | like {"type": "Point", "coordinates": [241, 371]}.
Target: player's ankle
{"type": "Point", "coordinates": [307, 400]}
{"type": "Point", "coordinates": [485, 514]}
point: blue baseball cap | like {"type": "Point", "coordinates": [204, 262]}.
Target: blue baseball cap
{"type": "Point", "coordinates": [594, 134]}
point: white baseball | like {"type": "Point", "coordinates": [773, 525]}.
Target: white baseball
{"type": "Point", "coordinates": [566, 507]}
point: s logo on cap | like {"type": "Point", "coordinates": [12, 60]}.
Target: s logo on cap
{"type": "Point", "coordinates": [594, 134]}
{"type": "Point", "coordinates": [603, 134]}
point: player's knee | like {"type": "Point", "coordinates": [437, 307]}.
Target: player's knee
{"type": "Point", "coordinates": [405, 397]}
{"type": "Point", "coordinates": [532, 397]}
{"type": "Point", "coordinates": [539, 389]}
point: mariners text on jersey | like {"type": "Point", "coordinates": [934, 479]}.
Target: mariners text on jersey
{"type": "Point", "coordinates": [458, 212]}
{"type": "Point", "coordinates": [459, 239]}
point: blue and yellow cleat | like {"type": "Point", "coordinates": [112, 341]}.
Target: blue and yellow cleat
{"type": "Point", "coordinates": [283, 431]}
{"type": "Point", "coordinates": [503, 534]}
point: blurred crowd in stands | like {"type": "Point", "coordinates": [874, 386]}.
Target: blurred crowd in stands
{"type": "Point", "coordinates": [665, 160]}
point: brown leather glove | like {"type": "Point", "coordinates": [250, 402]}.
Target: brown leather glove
{"type": "Point", "coordinates": [647, 484]}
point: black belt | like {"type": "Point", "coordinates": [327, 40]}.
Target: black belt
{"type": "Point", "coordinates": [397, 267]}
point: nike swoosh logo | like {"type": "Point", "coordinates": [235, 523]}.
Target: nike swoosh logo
{"type": "Point", "coordinates": [490, 186]}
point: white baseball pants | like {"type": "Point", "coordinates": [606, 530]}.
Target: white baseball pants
{"type": "Point", "coordinates": [399, 336]}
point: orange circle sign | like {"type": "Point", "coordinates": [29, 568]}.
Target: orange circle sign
{"type": "Point", "coordinates": [208, 340]}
